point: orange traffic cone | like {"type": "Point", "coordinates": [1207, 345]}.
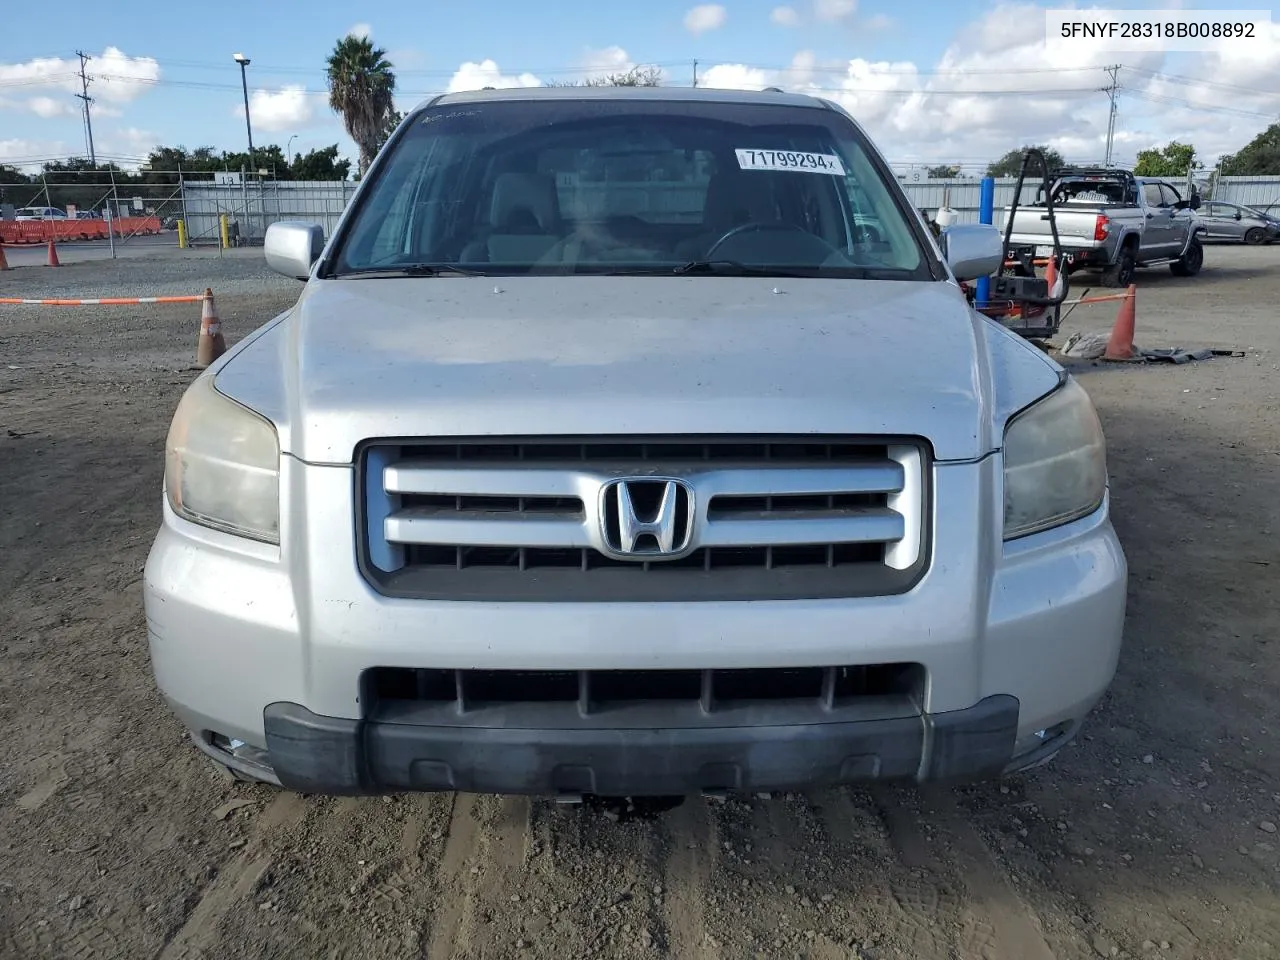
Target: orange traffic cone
{"type": "Point", "coordinates": [1120, 346]}
{"type": "Point", "coordinates": [1051, 277]}
{"type": "Point", "coordinates": [53, 255]}
{"type": "Point", "coordinates": [211, 345]}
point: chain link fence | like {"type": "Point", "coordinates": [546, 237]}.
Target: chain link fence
{"type": "Point", "coordinates": [251, 205]}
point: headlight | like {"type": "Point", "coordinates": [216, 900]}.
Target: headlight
{"type": "Point", "coordinates": [222, 465]}
{"type": "Point", "coordinates": [1055, 463]}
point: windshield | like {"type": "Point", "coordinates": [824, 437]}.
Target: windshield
{"type": "Point", "coordinates": [631, 186]}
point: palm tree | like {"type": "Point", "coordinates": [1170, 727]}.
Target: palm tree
{"type": "Point", "coordinates": [361, 85]}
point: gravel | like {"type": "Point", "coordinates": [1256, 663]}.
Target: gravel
{"type": "Point", "coordinates": [241, 271]}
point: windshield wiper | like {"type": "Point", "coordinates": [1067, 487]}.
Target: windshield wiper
{"type": "Point", "coordinates": [407, 270]}
{"type": "Point", "coordinates": [738, 269]}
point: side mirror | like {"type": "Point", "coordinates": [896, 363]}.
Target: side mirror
{"type": "Point", "coordinates": [292, 247]}
{"type": "Point", "coordinates": [1239, 215]}
{"type": "Point", "coordinates": [973, 250]}
{"type": "Point", "coordinates": [1195, 201]}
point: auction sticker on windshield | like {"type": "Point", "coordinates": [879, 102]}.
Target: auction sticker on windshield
{"type": "Point", "coordinates": [790, 160]}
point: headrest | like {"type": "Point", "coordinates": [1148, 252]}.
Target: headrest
{"type": "Point", "coordinates": [735, 199]}
{"type": "Point", "coordinates": [528, 193]}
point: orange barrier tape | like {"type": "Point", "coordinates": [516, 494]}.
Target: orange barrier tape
{"type": "Point", "coordinates": [102, 301]}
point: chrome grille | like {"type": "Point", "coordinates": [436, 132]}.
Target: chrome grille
{"type": "Point", "coordinates": [769, 519]}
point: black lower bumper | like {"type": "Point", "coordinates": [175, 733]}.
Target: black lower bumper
{"type": "Point", "coordinates": [328, 755]}
{"type": "Point", "coordinates": [1087, 258]}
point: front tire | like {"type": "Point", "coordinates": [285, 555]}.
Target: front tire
{"type": "Point", "coordinates": [1254, 236]}
{"type": "Point", "coordinates": [1191, 261]}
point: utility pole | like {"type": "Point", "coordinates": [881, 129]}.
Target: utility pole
{"type": "Point", "coordinates": [1112, 90]}
{"type": "Point", "coordinates": [84, 95]}
{"type": "Point", "coordinates": [695, 73]}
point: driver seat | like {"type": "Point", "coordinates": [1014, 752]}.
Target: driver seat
{"type": "Point", "coordinates": [732, 199]}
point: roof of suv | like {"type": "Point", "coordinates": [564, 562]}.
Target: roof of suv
{"type": "Point", "coordinates": [695, 94]}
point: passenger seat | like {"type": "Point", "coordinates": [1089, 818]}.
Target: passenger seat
{"type": "Point", "coordinates": [524, 220]}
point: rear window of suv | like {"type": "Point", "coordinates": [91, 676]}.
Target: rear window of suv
{"type": "Point", "coordinates": [632, 186]}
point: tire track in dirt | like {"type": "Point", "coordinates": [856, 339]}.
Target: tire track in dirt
{"type": "Point", "coordinates": [994, 923]}
{"type": "Point", "coordinates": [690, 862]}
{"type": "Point", "coordinates": [234, 882]}
{"type": "Point", "coordinates": [405, 882]}
{"type": "Point", "coordinates": [484, 860]}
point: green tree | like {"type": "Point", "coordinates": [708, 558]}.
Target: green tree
{"type": "Point", "coordinates": [393, 120]}
{"type": "Point", "coordinates": [944, 172]}
{"type": "Point", "coordinates": [1011, 163]}
{"type": "Point", "coordinates": [11, 185]}
{"type": "Point", "coordinates": [1259, 157]}
{"type": "Point", "coordinates": [634, 77]}
{"type": "Point", "coordinates": [321, 165]}
{"type": "Point", "coordinates": [361, 89]}
{"type": "Point", "coordinates": [1172, 160]}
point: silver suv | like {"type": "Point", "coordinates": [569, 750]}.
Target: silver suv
{"type": "Point", "coordinates": [606, 452]}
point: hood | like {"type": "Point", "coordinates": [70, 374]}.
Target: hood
{"type": "Point", "coordinates": [589, 356]}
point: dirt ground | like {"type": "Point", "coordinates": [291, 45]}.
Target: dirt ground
{"type": "Point", "coordinates": [1154, 835]}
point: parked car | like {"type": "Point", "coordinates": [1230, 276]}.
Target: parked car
{"type": "Point", "coordinates": [545, 491]}
{"type": "Point", "coordinates": [1111, 221]}
{"type": "Point", "coordinates": [39, 213]}
{"type": "Point", "coordinates": [1231, 221]}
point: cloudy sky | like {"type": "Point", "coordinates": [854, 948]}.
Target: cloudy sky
{"type": "Point", "coordinates": [956, 82]}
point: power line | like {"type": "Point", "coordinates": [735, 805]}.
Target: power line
{"type": "Point", "coordinates": [84, 95]}
{"type": "Point", "coordinates": [1215, 84]}
{"type": "Point", "coordinates": [1189, 105]}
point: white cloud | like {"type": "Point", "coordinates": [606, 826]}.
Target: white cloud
{"type": "Point", "coordinates": [361, 30]}
{"type": "Point", "coordinates": [126, 142]}
{"type": "Point", "coordinates": [29, 154]}
{"type": "Point", "coordinates": [121, 78]}
{"type": "Point", "coordinates": [48, 107]}
{"type": "Point", "coordinates": [477, 76]}
{"type": "Point", "coordinates": [278, 110]}
{"type": "Point", "coordinates": [117, 76]}
{"type": "Point", "coordinates": [708, 16]}
{"type": "Point", "coordinates": [735, 76]}
{"type": "Point", "coordinates": [829, 11]}
{"type": "Point", "coordinates": [994, 89]}
{"type": "Point", "coordinates": [879, 21]}
{"type": "Point", "coordinates": [785, 16]}
{"type": "Point", "coordinates": [599, 63]}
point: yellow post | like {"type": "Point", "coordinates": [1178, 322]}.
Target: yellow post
{"type": "Point", "coordinates": [226, 234]}
{"type": "Point", "coordinates": [182, 234]}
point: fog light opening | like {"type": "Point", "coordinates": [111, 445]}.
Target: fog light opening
{"type": "Point", "coordinates": [238, 750]}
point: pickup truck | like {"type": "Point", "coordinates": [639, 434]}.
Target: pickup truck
{"type": "Point", "coordinates": [1111, 221]}
{"type": "Point", "coordinates": [603, 454]}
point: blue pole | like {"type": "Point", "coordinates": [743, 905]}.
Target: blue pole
{"type": "Point", "coordinates": [986, 214]}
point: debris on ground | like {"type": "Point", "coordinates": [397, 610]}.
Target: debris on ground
{"type": "Point", "coordinates": [1092, 346]}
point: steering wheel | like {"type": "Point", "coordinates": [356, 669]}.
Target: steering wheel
{"type": "Point", "coordinates": [754, 227]}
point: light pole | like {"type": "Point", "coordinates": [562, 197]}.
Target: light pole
{"type": "Point", "coordinates": [244, 62]}
{"type": "Point", "coordinates": [288, 151]}
{"type": "Point", "coordinates": [241, 59]}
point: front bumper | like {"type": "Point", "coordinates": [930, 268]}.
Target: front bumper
{"type": "Point", "coordinates": [267, 646]}
{"type": "Point", "coordinates": [332, 755]}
